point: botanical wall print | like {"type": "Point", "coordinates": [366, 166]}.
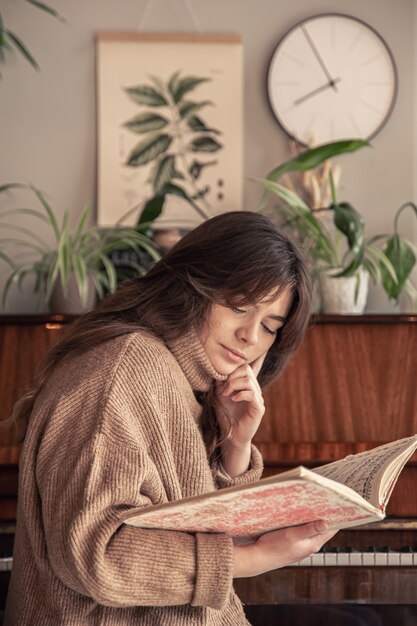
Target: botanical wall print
{"type": "Point", "coordinates": [170, 126]}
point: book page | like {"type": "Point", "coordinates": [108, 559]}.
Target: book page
{"type": "Point", "coordinates": [370, 473]}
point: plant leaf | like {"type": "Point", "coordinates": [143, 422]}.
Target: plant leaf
{"type": "Point", "coordinates": [350, 223]}
{"type": "Point", "coordinates": [164, 172]}
{"type": "Point", "coordinates": [197, 125]}
{"type": "Point", "coordinates": [146, 122]}
{"type": "Point", "coordinates": [152, 209]}
{"type": "Point", "coordinates": [48, 209]}
{"type": "Point", "coordinates": [188, 107]}
{"type": "Point", "coordinates": [205, 144]}
{"type": "Point", "coordinates": [196, 168]}
{"type": "Point", "coordinates": [403, 259]}
{"type": "Point", "coordinates": [82, 221]}
{"type": "Point", "coordinates": [184, 85]}
{"type": "Point", "coordinates": [312, 158]}
{"type": "Point", "coordinates": [176, 190]}
{"type": "Point", "coordinates": [46, 8]}
{"type": "Point", "coordinates": [18, 43]}
{"type": "Point", "coordinates": [148, 149]}
{"type": "Point", "coordinates": [144, 94]}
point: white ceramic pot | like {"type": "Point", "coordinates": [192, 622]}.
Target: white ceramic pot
{"type": "Point", "coordinates": [338, 294]}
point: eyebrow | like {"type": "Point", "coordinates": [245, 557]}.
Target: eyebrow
{"type": "Point", "coordinates": [278, 318]}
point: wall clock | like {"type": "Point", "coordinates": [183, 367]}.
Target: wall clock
{"type": "Point", "coordinates": [332, 77]}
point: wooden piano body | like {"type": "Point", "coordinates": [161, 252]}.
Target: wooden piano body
{"type": "Point", "coordinates": [351, 386]}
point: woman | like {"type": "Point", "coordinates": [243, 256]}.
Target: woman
{"type": "Point", "coordinates": [152, 397]}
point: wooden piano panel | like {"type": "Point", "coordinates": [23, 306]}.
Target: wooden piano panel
{"type": "Point", "coordinates": [353, 379]}
{"type": "Point", "coordinates": [24, 342]}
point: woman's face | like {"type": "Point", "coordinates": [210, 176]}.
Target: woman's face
{"type": "Point", "coordinates": [232, 336]}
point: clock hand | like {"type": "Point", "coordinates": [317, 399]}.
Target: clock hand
{"type": "Point", "coordinates": [331, 83]}
{"type": "Point", "coordinates": [318, 56]}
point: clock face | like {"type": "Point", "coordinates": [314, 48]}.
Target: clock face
{"type": "Point", "coordinates": [332, 77]}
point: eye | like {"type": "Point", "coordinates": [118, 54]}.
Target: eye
{"type": "Point", "coordinates": [236, 310]}
{"type": "Point", "coordinates": [269, 331]}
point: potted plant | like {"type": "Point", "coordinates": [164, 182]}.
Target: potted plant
{"type": "Point", "coordinates": [80, 261]}
{"type": "Point", "coordinates": [9, 39]}
{"type": "Point", "coordinates": [338, 247]}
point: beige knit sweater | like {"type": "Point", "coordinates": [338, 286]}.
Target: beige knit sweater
{"type": "Point", "coordinates": [114, 430]}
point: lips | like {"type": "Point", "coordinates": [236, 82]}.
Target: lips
{"type": "Point", "coordinates": [235, 355]}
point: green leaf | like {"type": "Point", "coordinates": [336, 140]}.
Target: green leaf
{"type": "Point", "coordinates": [403, 259]}
{"type": "Point", "coordinates": [146, 122]}
{"type": "Point", "coordinates": [111, 272]}
{"type": "Point", "coordinates": [312, 158]}
{"type": "Point", "coordinates": [196, 168]}
{"type": "Point", "coordinates": [197, 125]}
{"type": "Point", "coordinates": [173, 83]}
{"type": "Point", "coordinates": [82, 221]}
{"type": "Point", "coordinates": [205, 144]}
{"type": "Point", "coordinates": [152, 209]}
{"type": "Point", "coordinates": [46, 8]}
{"type": "Point", "coordinates": [158, 82]}
{"type": "Point", "coordinates": [149, 149]}
{"type": "Point", "coordinates": [189, 108]}
{"type": "Point", "coordinates": [178, 191]}
{"type": "Point", "coordinates": [48, 209]}
{"type": "Point", "coordinates": [144, 94]}
{"type": "Point", "coordinates": [184, 85]}
{"type": "Point", "coordinates": [164, 172]}
{"type": "Point", "coordinates": [350, 223]}
{"type": "Point", "coordinates": [18, 43]}
{"type": "Point", "coordinates": [309, 225]}
{"type": "Point", "coordinates": [81, 276]}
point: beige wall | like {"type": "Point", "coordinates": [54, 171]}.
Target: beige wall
{"type": "Point", "coordinates": [47, 119]}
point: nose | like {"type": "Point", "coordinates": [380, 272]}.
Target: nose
{"type": "Point", "coordinates": [248, 333]}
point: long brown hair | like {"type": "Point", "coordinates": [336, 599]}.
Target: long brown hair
{"type": "Point", "coordinates": [238, 257]}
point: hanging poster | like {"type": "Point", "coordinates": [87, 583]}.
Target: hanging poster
{"type": "Point", "coordinates": [170, 126]}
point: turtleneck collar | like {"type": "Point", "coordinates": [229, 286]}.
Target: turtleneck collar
{"type": "Point", "coordinates": [193, 360]}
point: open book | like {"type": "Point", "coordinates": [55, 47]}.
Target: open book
{"type": "Point", "coordinates": [349, 492]}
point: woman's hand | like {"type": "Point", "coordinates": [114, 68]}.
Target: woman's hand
{"type": "Point", "coordinates": [239, 404]}
{"type": "Point", "coordinates": [280, 548]}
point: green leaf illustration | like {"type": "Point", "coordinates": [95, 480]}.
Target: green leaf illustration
{"type": "Point", "coordinates": [148, 150]}
{"type": "Point", "coordinates": [197, 125]}
{"type": "Point", "coordinates": [164, 172]}
{"type": "Point", "coordinates": [146, 122]}
{"type": "Point", "coordinates": [205, 144]}
{"type": "Point", "coordinates": [184, 85]}
{"type": "Point", "coordinates": [144, 94]}
{"type": "Point", "coordinates": [189, 108]}
{"type": "Point", "coordinates": [196, 168]}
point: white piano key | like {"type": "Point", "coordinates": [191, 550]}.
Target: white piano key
{"type": "Point", "coordinates": [330, 559]}
{"type": "Point", "coordinates": [317, 560]}
{"type": "Point", "coordinates": [368, 559]}
{"type": "Point", "coordinates": [393, 559]}
{"type": "Point", "coordinates": [381, 558]}
{"type": "Point", "coordinates": [6, 563]}
{"type": "Point", "coordinates": [406, 558]}
{"type": "Point", "coordinates": [355, 558]}
{"type": "Point", "coordinates": [343, 559]}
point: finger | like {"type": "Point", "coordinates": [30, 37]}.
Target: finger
{"type": "Point", "coordinates": [256, 365]}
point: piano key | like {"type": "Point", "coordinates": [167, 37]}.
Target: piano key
{"type": "Point", "coordinates": [6, 563]}
{"type": "Point", "coordinates": [369, 558]}
{"type": "Point", "coordinates": [406, 559]}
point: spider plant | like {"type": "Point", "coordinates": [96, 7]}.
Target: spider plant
{"type": "Point", "coordinates": [84, 252]}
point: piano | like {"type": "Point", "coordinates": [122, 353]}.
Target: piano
{"type": "Point", "coordinates": [350, 387]}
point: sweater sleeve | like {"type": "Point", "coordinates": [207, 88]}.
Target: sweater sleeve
{"type": "Point", "coordinates": [253, 474]}
{"type": "Point", "coordinates": [95, 554]}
